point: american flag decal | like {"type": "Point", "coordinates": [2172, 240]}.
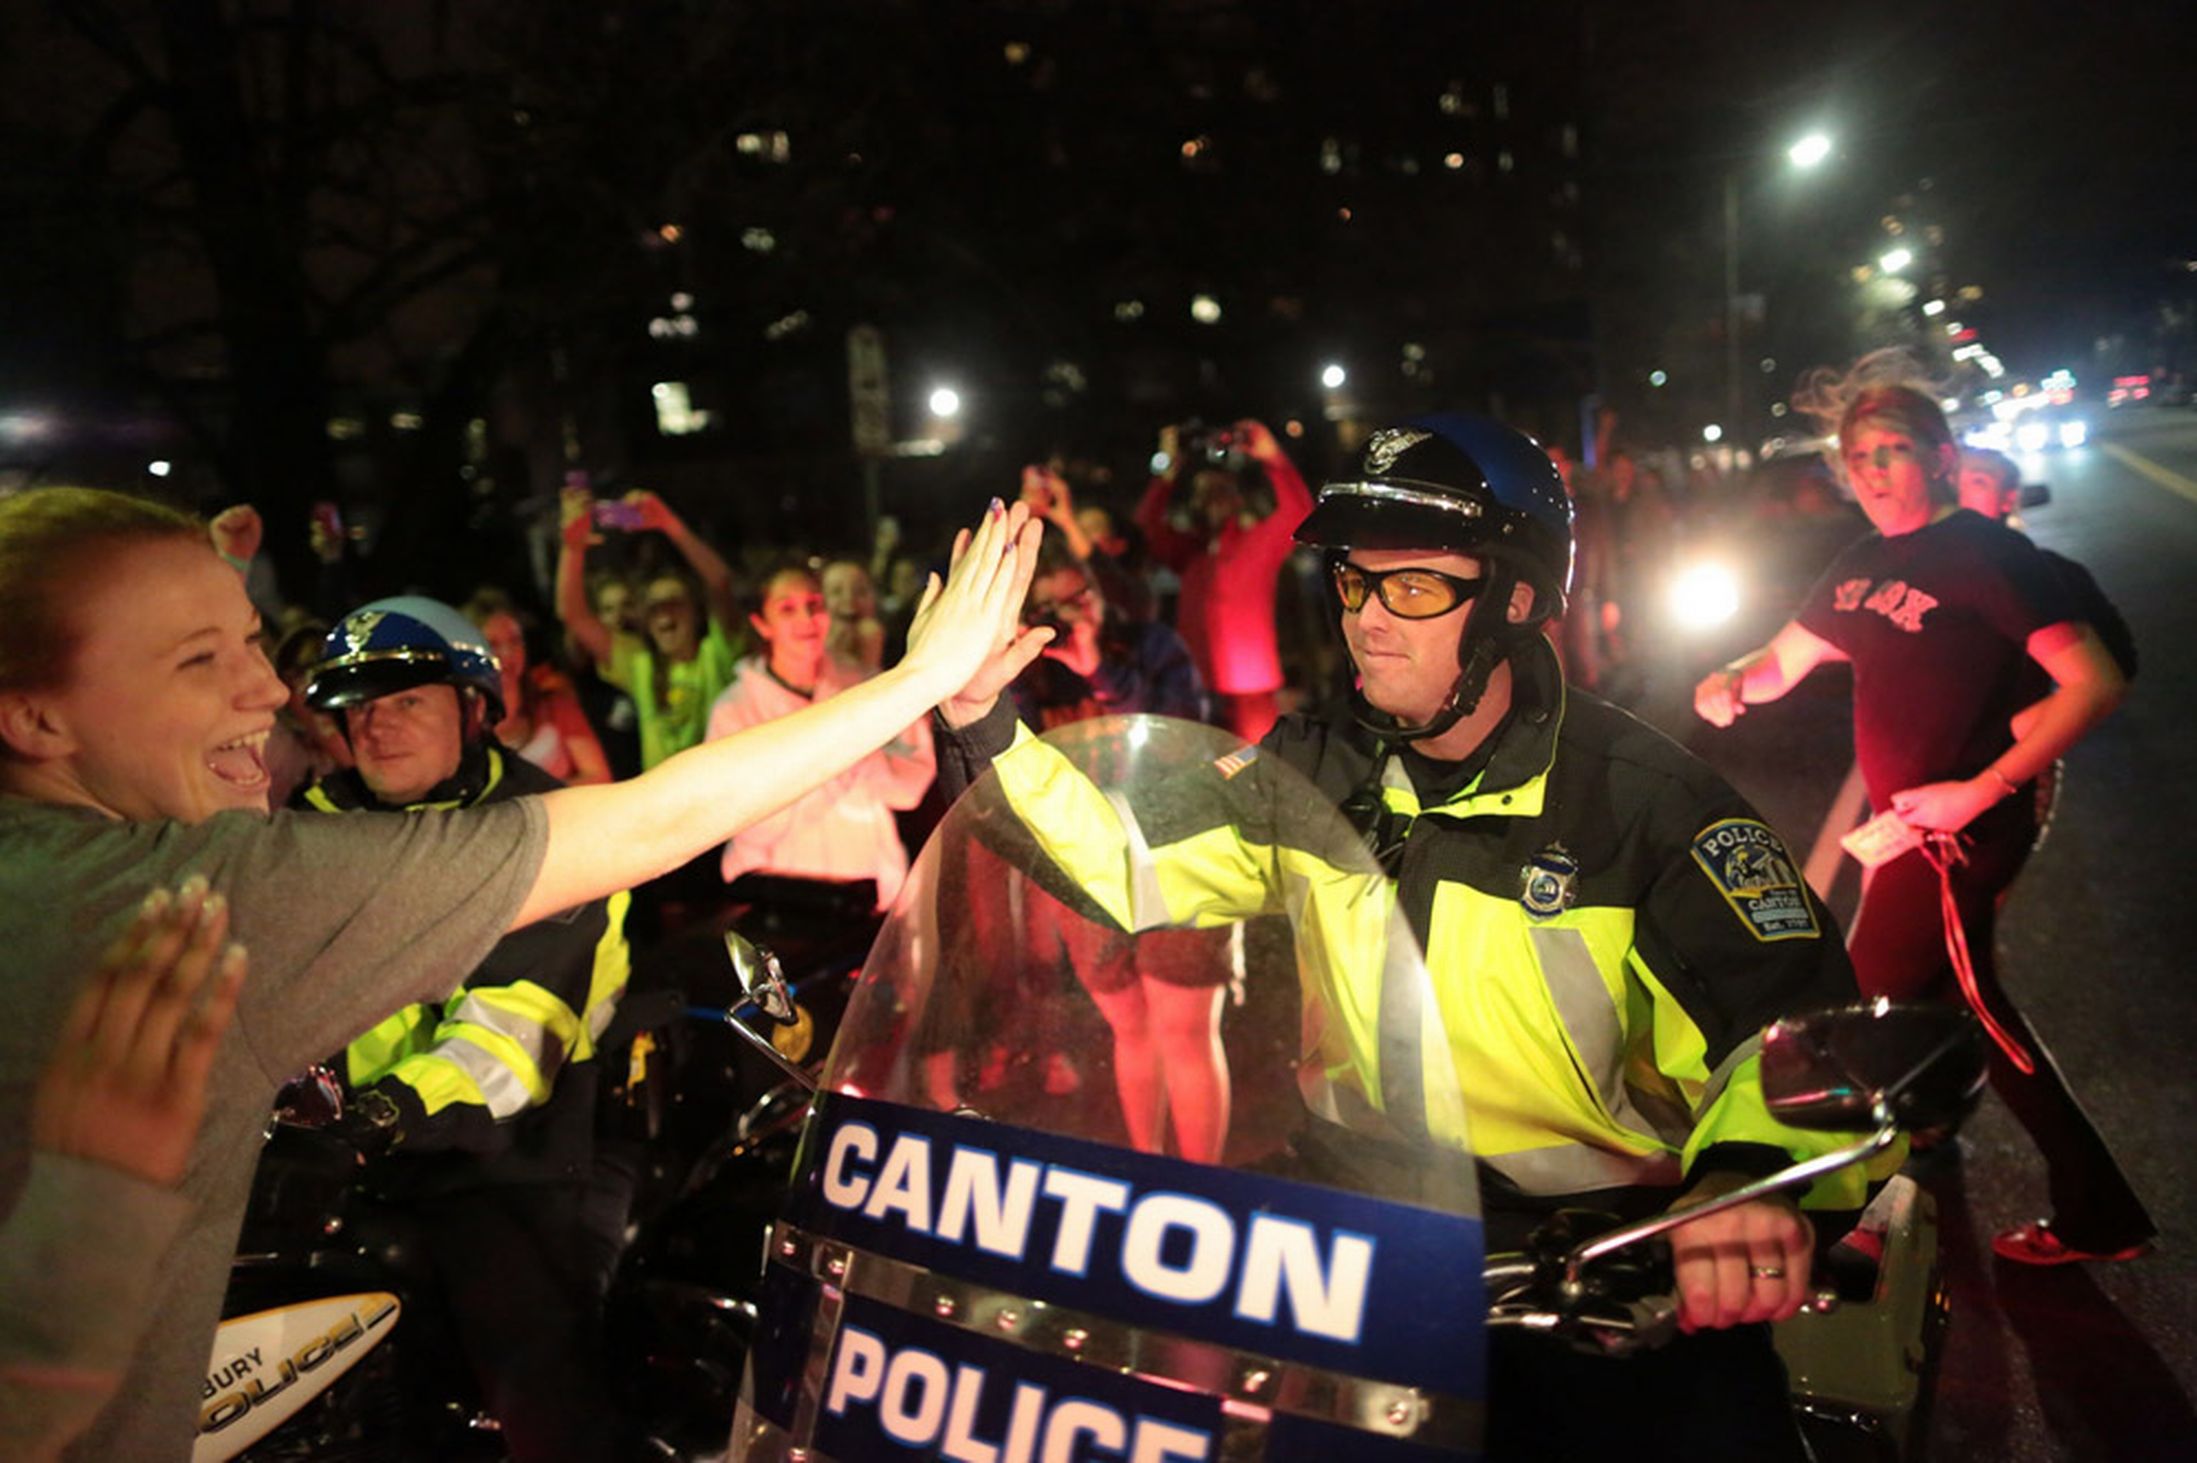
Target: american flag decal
{"type": "Point", "coordinates": [1236, 761]}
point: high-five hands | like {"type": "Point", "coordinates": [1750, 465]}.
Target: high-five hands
{"type": "Point", "coordinates": [968, 630]}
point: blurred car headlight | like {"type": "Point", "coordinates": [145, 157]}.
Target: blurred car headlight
{"type": "Point", "coordinates": [2074, 433]}
{"type": "Point", "coordinates": [1704, 596]}
{"type": "Point", "coordinates": [2033, 436]}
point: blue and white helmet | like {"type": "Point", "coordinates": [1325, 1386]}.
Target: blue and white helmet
{"type": "Point", "coordinates": [394, 644]}
{"type": "Point", "coordinates": [1467, 484]}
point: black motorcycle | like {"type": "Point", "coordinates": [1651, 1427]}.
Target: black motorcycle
{"type": "Point", "coordinates": [335, 1343]}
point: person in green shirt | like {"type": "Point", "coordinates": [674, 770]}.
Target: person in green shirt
{"type": "Point", "coordinates": [689, 643]}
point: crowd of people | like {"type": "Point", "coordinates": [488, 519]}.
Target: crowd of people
{"type": "Point", "coordinates": [675, 723]}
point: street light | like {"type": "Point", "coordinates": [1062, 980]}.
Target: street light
{"type": "Point", "coordinates": [945, 403]}
{"type": "Point", "coordinates": [1897, 260]}
{"type": "Point", "coordinates": [1333, 376]}
{"type": "Point", "coordinates": [1810, 150]}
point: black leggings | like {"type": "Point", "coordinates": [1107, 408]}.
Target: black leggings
{"type": "Point", "coordinates": [1898, 948]}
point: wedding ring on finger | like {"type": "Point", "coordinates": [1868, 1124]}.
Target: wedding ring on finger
{"type": "Point", "coordinates": [1767, 1272]}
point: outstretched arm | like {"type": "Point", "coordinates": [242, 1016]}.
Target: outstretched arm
{"type": "Point", "coordinates": [577, 510]}
{"type": "Point", "coordinates": [1292, 499]}
{"type": "Point", "coordinates": [612, 837]}
{"type": "Point", "coordinates": [1762, 675]}
{"type": "Point", "coordinates": [708, 565]}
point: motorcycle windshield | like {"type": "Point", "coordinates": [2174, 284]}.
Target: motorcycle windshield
{"type": "Point", "coordinates": [1140, 931]}
{"type": "Point", "coordinates": [1141, 1106]}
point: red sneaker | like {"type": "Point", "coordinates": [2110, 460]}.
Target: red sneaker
{"type": "Point", "coordinates": [2034, 1243]}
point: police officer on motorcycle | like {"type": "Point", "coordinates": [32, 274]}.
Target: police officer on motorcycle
{"type": "Point", "coordinates": [1606, 923]}
{"type": "Point", "coordinates": [485, 1104]}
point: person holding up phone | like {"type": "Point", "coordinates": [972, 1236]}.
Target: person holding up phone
{"type": "Point", "coordinates": [1230, 560]}
{"type": "Point", "coordinates": [689, 645]}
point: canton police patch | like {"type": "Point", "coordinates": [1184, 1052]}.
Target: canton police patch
{"type": "Point", "coordinates": [1751, 869]}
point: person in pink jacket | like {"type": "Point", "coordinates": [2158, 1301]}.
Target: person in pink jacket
{"type": "Point", "coordinates": [844, 829]}
{"type": "Point", "coordinates": [1229, 562]}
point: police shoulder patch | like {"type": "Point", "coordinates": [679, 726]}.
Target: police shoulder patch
{"type": "Point", "coordinates": [1758, 879]}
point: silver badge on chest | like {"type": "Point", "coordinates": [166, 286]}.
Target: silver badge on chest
{"type": "Point", "coordinates": [1548, 883]}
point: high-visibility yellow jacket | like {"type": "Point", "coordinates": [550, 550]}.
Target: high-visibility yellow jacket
{"type": "Point", "coordinates": [497, 1083]}
{"type": "Point", "coordinates": [1607, 927]}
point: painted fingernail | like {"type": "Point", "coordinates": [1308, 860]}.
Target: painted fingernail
{"type": "Point", "coordinates": [232, 958]}
{"type": "Point", "coordinates": [997, 506]}
{"type": "Point", "coordinates": [155, 902]}
{"type": "Point", "coordinates": [194, 889]}
{"type": "Point", "coordinates": [215, 903]}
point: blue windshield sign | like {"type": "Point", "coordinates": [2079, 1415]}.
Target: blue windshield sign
{"type": "Point", "coordinates": [1268, 1266]}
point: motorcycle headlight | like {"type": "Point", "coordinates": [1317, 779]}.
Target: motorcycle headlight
{"type": "Point", "coordinates": [1704, 596]}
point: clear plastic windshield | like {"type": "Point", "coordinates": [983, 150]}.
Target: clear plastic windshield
{"type": "Point", "coordinates": [1139, 932]}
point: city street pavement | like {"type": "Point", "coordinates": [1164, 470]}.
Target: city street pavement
{"type": "Point", "coordinates": [2098, 939]}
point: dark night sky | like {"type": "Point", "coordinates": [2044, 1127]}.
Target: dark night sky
{"type": "Point", "coordinates": [2060, 139]}
{"type": "Point", "coordinates": [2057, 141]}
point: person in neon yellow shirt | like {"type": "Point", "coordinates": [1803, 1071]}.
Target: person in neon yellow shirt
{"type": "Point", "coordinates": [690, 644]}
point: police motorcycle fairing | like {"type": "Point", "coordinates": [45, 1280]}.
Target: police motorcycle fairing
{"type": "Point", "coordinates": [978, 1261]}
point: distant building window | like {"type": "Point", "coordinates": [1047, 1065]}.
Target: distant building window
{"type": "Point", "coordinates": [675, 413]}
{"type": "Point", "coordinates": [1568, 139]}
{"type": "Point", "coordinates": [771, 147]}
{"type": "Point", "coordinates": [1502, 102]}
{"type": "Point", "coordinates": [1331, 155]}
{"type": "Point", "coordinates": [1504, 162]}
{"type": "Point", "coordinates": [760, 241]}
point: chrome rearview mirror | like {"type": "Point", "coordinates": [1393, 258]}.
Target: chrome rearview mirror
{"type": "Point", "coordinates": [761, 978]}
{"type": "Point", "coordinates": [1861, 1067]}
{"type": "Point", "coordinates": [1875, 1068]}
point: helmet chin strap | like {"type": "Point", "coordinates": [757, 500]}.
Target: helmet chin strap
{"type": "Point", "coordinates": [1488, 640]}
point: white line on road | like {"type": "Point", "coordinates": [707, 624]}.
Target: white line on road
{"type": "Point", "coordinates": [2165, 477]}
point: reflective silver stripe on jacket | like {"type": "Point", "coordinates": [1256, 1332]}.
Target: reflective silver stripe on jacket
{"type": "Point", "coordinates": [504, 1090]}
{"type": "Point", "coordinates": [1147, 906]}
{"type": "Point", "coordinates": [1590, 1018]}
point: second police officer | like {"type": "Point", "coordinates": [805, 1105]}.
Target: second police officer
{"type": "Point", "coordinates": [485, 1104]}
